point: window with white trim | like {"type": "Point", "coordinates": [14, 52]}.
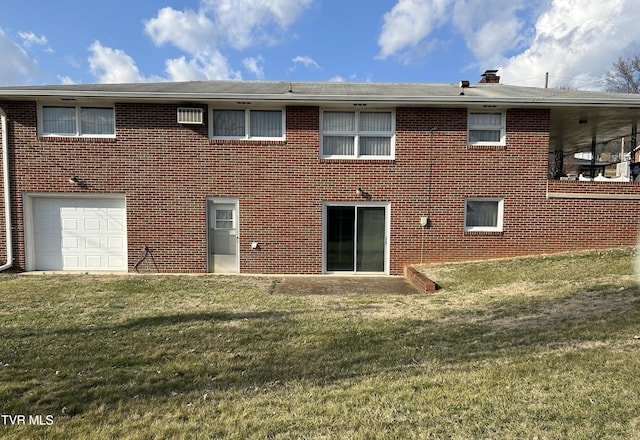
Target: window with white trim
{"type": "Point", "coordinates": [247, 124]}
{"type": "Point", "coordinates": [483, 214]}
{"type": "Point", "coordinates": [224, 219]}
{"type": "Point", "coordinates": [357, 134]}
{"type": "Point", "coordinates": [486, 128]}
{"type": "Point", "coordinates": [77, 121]}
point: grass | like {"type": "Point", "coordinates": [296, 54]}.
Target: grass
{"type": "Point", "coordinates": [527, 348]}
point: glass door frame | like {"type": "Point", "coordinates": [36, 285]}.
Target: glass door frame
{"type": "Point", "coordinates": [387, 227]}
{"type": "Point", "coordinates": [211, 206]}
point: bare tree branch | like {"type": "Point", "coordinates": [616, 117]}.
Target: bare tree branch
{"type": "Point", "coordinates": [625, 76]}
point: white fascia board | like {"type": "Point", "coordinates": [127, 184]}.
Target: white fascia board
{"type": "Point", "coordinates": [465, 100]}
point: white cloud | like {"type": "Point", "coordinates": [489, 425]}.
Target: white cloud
{"type": "Point", "coordinates": [576, 41]}
{"type": "Point", "coordinates": [488, 28]}
{"type": "Point", "coordinates": [253, 65]}
{"type": "Point", "coordinates": [492, 28]}
{"type": "Point", "coordinates": [30, 39]}
{"type": "Point", "coordinates": [23, 69]}
{"type": "Point", "coordinates": [409, 22]}
{"type": "Point", "coordinates": [112, 65]}
{"type": "Point", "coordinates": [187, 30]}
{"type": "Point", "coordinates": [202, 34]}
{"type": "Point", "coordinates": [115, 66]}
{"type": "Point", "coordinates": [67, 80]}
{"type": "Point", "coordinates": [204, 66]}
{"type": "Point", "coordinates": [352, 78]}
{"type": "Point", "coordinates": [307, 62]}
{"type": "Point", "coordinates": [246, 23]}
{"type": "Point", "coordinates": [236, 23]}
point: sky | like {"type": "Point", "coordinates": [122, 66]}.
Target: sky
{"type": "Point", "coordinates": [431, 41]}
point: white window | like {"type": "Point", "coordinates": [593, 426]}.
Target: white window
{"type": "Point", "coordinates": [247, 124]}
{"type": "Point", "coordinates": [357, 134]}
{"type": "Point", "coordinates": [77, 121]}
{"type": "Point", "coordinates": [486, 128]}
{"type": "Point", "coordinates": [483, 214]}
{"type": "Point", "coordinates": [224, 219]}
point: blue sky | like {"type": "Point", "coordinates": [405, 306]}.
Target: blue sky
{"type": "Point", "coordinates": [73, 41]}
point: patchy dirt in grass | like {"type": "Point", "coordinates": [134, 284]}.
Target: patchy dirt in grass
{"type": "Point", "coordinates": [579, 306]}
{"type": "Point", "coordinates": [343, 285]}
{"type": "Point", "coordinates": [519, 305]}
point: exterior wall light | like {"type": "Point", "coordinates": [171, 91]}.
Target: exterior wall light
{"type": "Point", "coordinates": [362, 193]}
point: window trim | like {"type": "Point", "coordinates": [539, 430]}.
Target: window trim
{"type": "Point", "coordinates": [216, 219]}
{"type": "Point", "coordinates": [357, 134]}
{"type": "Point", "coordinates": [499, 221]}
{"type": "Point", "coordinates": [78, 120]}
{"type": "Point", "coordinates": [503, 127]}
{"type": "Point", "coordinates": [247, 123]}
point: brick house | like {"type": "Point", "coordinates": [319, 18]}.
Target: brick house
{"type": "Point", "coordinates": [279, 177]}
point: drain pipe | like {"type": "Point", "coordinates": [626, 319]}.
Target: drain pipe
{"type": "Point", "coordinates": [7, 193]}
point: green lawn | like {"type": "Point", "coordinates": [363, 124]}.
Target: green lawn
{"type": "Point", "coordinates": [541, 348]}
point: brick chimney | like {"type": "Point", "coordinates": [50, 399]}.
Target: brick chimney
{"type": "Point", "coordinates": [490, 77]}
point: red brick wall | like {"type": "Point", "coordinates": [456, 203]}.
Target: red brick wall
{"type": "Point", "coordinates": [167, 171]}
{"type": "Point", "coordinates": [3, 241]}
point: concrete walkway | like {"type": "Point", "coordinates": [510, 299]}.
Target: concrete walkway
{"type": "Point", "coordinates": [344, 285]}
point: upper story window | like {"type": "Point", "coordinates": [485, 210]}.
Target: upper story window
{"type": "Point", "coordinates": [77, 121]}
{"type": "Point", "coordinates": [247, 124]}
{"type": "Point", "coordinates": [357, 134]}
{"type": "Point", "coordinates": [486, 128]}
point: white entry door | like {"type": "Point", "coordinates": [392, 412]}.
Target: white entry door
{"type": "Point", "coordinates": [223, 237]}
{"type": "Point", "coordinates": [77, 234]}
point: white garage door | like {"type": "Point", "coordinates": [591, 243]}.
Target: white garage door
{"type": "Point", "coordinates": [79, 233]}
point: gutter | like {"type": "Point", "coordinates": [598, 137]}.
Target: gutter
{"type": "Point", "coordinates": [295, 93]}
{"type": "Point", "coordinates": [329, 99]}
{"type": "Point", "coordinates": [7, 193]}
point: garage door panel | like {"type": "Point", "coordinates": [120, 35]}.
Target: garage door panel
{"type": "Point", "coordinates": [70, 242]}
{"type": "Point", "coordinates": [79, 234]}
{"type": "Point", "coordinates": [69, 224]}
{"type": "Point", "coordinates": [71, 260]}
{"type": "Point", "coordinates": [67, 210]}
{"type": "Point", "coordinates": [93, 261]}
{"type": "Point", "coordinates": [53, 260]}
{"type": "Point", "coordinates": [92, 243]}
{"type": "Point", "coordinates": [115, 243]}
{"type": "Point", "coordinates": [48, 206]}
{"type": "Point", "coordinates": [116, 261]}
{"type": "Point", "coordinates": [91, 224]}
{"type": "Point", "coordinates": [115, 225]}
{"type": "Point", "coordinates": [45, 224]}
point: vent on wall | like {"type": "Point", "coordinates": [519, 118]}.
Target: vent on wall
{"type": "Point", "coordinates": [190, 115]}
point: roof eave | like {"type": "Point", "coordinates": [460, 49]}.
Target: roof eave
{"type": "Point", "coordinates": [293, 98]}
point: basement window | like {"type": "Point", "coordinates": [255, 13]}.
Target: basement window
{"type": "Point", "coordinates": [486, 128]}
{"type": "Point", "coordinates": [77, 121]}
{"type": "Point", "coordinates": [483, 215]}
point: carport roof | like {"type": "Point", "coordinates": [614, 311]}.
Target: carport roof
{"type": "Point", "coordinates": [607, 115]}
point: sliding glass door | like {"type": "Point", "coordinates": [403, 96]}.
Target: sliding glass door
{"type": "Point", "coordinates": [355, 238]}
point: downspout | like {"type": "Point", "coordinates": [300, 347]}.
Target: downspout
{"type": "Point", "coordinates": [7, 193]}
